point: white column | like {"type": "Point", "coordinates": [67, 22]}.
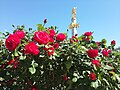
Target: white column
{"type": "Point", "coordinates": [74, 29]}
{"type": "Point", "coordinates": [74, 25]}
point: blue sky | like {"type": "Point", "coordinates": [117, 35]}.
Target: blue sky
{"type": "Point", "coordinates": [100, 16]}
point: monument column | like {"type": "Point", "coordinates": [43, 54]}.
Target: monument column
{"type": "Point", "coordinates": [74, 25]}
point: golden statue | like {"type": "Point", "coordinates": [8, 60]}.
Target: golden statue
{"type": "Point", "coordinates": [73, 24]}
{"type": "Point", "coordinates": [74, 13]}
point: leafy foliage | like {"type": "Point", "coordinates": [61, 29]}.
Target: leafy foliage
{"type": "Point", "coordinates": [62, 64]}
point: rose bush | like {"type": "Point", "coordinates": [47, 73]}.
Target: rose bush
{"type": "Point", "coordinates": [44, 59]}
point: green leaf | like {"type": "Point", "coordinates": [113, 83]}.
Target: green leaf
{"type": "Point", "coordinates": [80, 38]}
{"type": "Point", "coordinates": [65, 34]}
{"type": "Point", "coordinates": [41, 55]}
{"type": "Point", "coordinates": [40, 27]}
{"type": "Point", "coordinates": [95, 68]}
{"type": "Point", "coordinates": [87, 63]}
{"type": "Point", "coordinates": [16, 53]}
{"type": "Point", "coordinates": [69, 83]}
{"type": "Point", "coordinates": [22, 57]}
{"type": "Point", "coordinates": [107, 67]}
{"type": "Point", "coordinates": [32, 70]}
{"type": "Point", "coordinates": [95, 84]}
{"type": "Point", "coordinates": [74, 79]}
{"type": "Point", "coordinates": [34, 64]}
{"type": "Point", "coordinates": [106, 81]}
{"type": "Point", "coordinates": [1, 79]}
{"type": "Point", "coordinates": [116, 53]}
{"type": "Point", "coordinates": [117, 77]}
{"type": "Point", "coordinates": [104, 41]}
{"type": "Point", "coordinates": [68, 65]}
{"type": "Point", "coordinates": [94, 45]}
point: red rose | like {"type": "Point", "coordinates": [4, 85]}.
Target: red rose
{"type": "Point", "coordinates": [98, 43]}
{"type": "Point", "coordinates": [92, 53]}
{"type": "Point", "coordinates": [96, 63]}
{"type": "Point", "coordinates": [105, 52]}
{"type": "Point", "coordinates": [28, 82]}
{"type": "Point", "coordinates": [51, 40]}
{"type": "Point", "coordinates": [73, 39]}
{"type": "Point", "coordinates": [52, 32]}
{"type": "Point", "coordinates": [50, 50]}
{"type": "Point", "coordinates": [86, 39]}
{"type": "Point", "coordinates": [113, 42]}
{"type": "Point", "coordinates": [64, 78]}
{"type": "Point", "coordinates": [11, 81]}
{"type": "Point", "coordinates": [12, 42]}
{"type": "Point", "coordinates": [45, 48]}
{"type": "Point", "coordinates": [88, 34]}
{"type": "Point", "coordinates": [34, 87]}
{"type": "Point", "coordinates": [15, 65]}
{"type": "Point", "coordinates": [60, 37]}
{"type": "Point", "coordinates": [3, 66]}
{"type": "Point", "coordinates": [45, 21]}
{"type": "Point", "coordinates": [41, 37]}
{"type": "Point", "coordinates": [73, 36]}
{"type": "Point", "coordinates": [56, 45]}
{"type": "Point", "coordinates": [20, 34]}
{"type": "Point", "coordinates": [92, 76]}
{"type": "Point", "coordinates": [31, 48]}
{"type": "Point", "coordinates": [11, 62]}
{"type": "Point", "coordinates": [109, 51]}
